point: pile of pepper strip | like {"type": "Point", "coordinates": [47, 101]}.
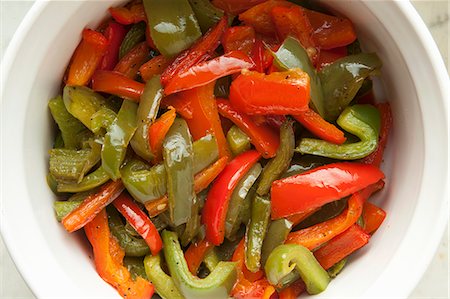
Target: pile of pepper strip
{"type": "Point", "coordinates": [219, 148]}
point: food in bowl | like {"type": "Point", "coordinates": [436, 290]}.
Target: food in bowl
{"type": "Point", "coordinates": [211, 156]}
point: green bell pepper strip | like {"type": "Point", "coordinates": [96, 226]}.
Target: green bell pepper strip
{"type": "Point", "coordinates": [146, 115]}
{"type": "Point", "coordinates": [337, 268]}
{"type": "Point", "coordinates": [82, 102]}
{"type": "Point", "coordinates": [291, 55]}
{"type": "Point", "coordinates": [238, 141]}
{"type": "Point", "coordinates": [207, 14]}
{"type": "Point", "coordinates": [280, 163]}
{"type": "Point", "coordinates": [326, 212]}
{"type": "Point", "coordinates": [117, 138]}
{"type": "Point", "coordinates": [211, 260]}
{"type": "Point", "coordinates": [256, 232]}
{"type": "Point", "coordinates": [217, 284]}
{"type": "Point", "coordinates": [59, 141]}
{"type": "Point", "coordinates": [133, 37]}
{"type": "Point", "coordinates": [102, 119]}
{"type": "Point", "coordinates": [133, 246]}
{"type": "Point", "coordinates": [147, 184]}
{"type": "Point", "coordinates": [173, 25]}
{"type": "Point", "coordinates": [69, 126]}
{"type": "Point", "coordinates": [342, 79]}
{"type": "Point", "coordinates": [194, 222]}
{"type": "Point", "coordinates": [178, 162]}
{"type": "Point", "coordinates": [92, 180]}
{"type": "Point", "coordinates": [276, 235]}
{"type": "Point", "coordinates": [163, 283]}
{"type": "Point", "coordinates": [360, 120]}
{"type": "Point", "coordinates": [238, 197]}
{"type": "Point", "coordinates": [62, 208]}
{"type": "Point", "coordinates": [52, 183]}
{"type": "Point", "coordinates": [135, 266]}
{"type": "Point", "coordinates": [285, 258]}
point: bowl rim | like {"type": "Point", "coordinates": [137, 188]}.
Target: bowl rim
{"type": "Point", "coordinates": [439, 72]}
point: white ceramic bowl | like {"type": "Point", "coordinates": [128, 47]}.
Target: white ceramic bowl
{"type": "Point", "coordinates": [56, 264]}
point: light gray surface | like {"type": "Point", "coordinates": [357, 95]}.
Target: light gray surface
{"type": "Point", "coordinates": [434, 284]}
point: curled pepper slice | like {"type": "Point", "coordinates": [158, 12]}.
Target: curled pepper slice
{"type": "Point", "coordinates": [217, 284]}
{"type": "Point", "coordinates": [360, 120]}
{"type": "Point", "coordinates": [163, 283]}
{"type": "Point", "coordinates": [277, 93]}
{"type": "Point", "coordinates": [285, 258]}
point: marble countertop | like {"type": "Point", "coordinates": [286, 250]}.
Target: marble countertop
{"type": "Point", "coordinates": [435, 282]}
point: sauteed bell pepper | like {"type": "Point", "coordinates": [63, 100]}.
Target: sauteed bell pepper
{"type": "Point", "coordinates": [128, 15]}
{"type": "Point", "coordinates": [277, 233]}
{"type": "Point", "coordinates": [90, 181]}
{"type": "Point", "coordinates": [158, 131]}
{"type": "Point", "coordinates": [239, 38]}
{"type": "Point", "coordinates": [163, 283]}
{"type": "Point", "coordinates": [154, 66]}
{"type": "Point", "coordinates": [238, 141]}
{"type": "Point", "coordinates": [216, 205]}
{"type": "Point", "coordinates": [131, 62]}
{"type": "Point", "coordinates": [133, 37]}
{"type": "Point", "coordinates": [115, 33]}
{"type": "Point", "coordinates": [373, 217]}
{"type": "Point", "coordinates": [362, 121]}
{"type": "Point", "coordinates": [206, 13]}
{"type": "Point", "coordinates": [320, 186]}
{"type": "Point", "coordinates": [235, 6]}
{"type": "Point", "coordinates": [115, 83]}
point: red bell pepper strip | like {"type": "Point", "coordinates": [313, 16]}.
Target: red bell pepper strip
{"type": "Point", "coordinates": [157, 132]}
{"type": "Point", "coordinates": [249, 285]}
{"type": "Point", "coordinates": [255, 93]}
{"type": "Point", "coordinates": [196, 253]}
{"type": "Point", "coordinates": [205, 116]}
{"type": "Point", "coordinates": [108, 258]}
{"type": "Point", "coordinates": [206, 72]}
{"type": "Point", "coordinates": [117, 84]}
{"type": "Point", "coordinates": [127, 16]}
{"type": "Point", "coordinates": [259, 16]}
{"type": "Point", "coordinates": [258, 56]}
{"type": "Point", "coordinates": [293, 21]}
{"type": "Point", "coordinates": [181, 104]}
{"type": "Point", "coordinates": [316, 235]}
{"type": "Point", "coordinates": [216, 205]}
{"type": "Point", "coordinates": [115, 33]}
{"type": "Point", "coordinates": [129, 64]}
{"type": "Point", "coordinates": [235, 7]}
{"type": "Point", "coordinates": [293, 291]}
{"type": "Point", "coordinates": [376, 157]}
{"type": "Point", "coordinates": [92, 205]}
{"type": "Point", "coordinates": [341, 246]}
{"type": "Point", "coordinates": [326, 57]}
{"type": "Point", "coordinates": [239, 38]}
{"type": "Point", "coordinates": [139, 221]}
{"type": "Point", "coordinates": [373, 217]}
{"type": "Point", "coordinates": [319, 186]}
{"type": "Point", "coordinates": [263, 137]}
{"type": "Point", "coordinates": [86, 57]}
{"type": "Point", "coordinates": [320, 127]}
{"type": "Point", "coordinates": [200, 51]}
{"type": "Point", "coordinates": [154, 66]}
{"type": "Point", "coordinates": [329, 31]}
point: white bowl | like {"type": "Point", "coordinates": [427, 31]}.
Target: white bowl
{"type": "Point", "coordinates": [56, 264]}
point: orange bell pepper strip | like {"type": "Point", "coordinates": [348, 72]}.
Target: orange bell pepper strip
{"type": "Point", "coordinates": [376, 157]}
{"type": "Point", "coordinates": [208, 71]}
{"type": "Point", "coordinates": [263, 137]}
{"type": "Point", "coordinates": [115, 33]}
{"type": "Point", "coordinates": [320, 127]}
{"type": "Point", "coordinates": [108, 258]}
{"type": "Point", "coordinates": [87, 57]}
{"type": "Point", "coordinates": [196, 253]}
{"type": "Point", "coordinates": [154, 66]}
{"type": "Point", "coordinates": [216, 205]}
{"type": "Point", "coordinates": [115, 83]}
{"type": "Point", "coordinates": [129, 64]}
{"type": "Point", "coordinates": [329, 31]}
{"type": "Point", "coordinates": [255, 93]}
{"type": "Point", "coordinates": [139, 221]}
{"type": "Point", "coordinates": [316, 235]}
{"type": "Point", "coordinates": [205, 116]}
{"type": "Point", "coordinates": [239, 38]}
{"type": "Point", "coordinates": [92, 205]}
{"type": "Point", "coordinates": [157, 132]}
{"type": "Point", "coordinates": [341, 246]}
{"type": "Point", "coordinates": [319, 186]}
{"type": "Point", "coordinates": [327, 57]}
{"type": "Point", "coordinates": [198, 52]}
{"type": "Point", "coordinates": [201, 181]}
{"type": "Point", "coordinates": [293, 21]}
{"type": "Point", "coordinates": [128, 15]}
{"type": "Point", "coordinates": [260, 18]}
{"type": "Point", "coordinates": [235, 7]}
{"type": "Point", "coordinates": [292, 291]}
{"type": "Point", "coordinates": [373, 217]}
